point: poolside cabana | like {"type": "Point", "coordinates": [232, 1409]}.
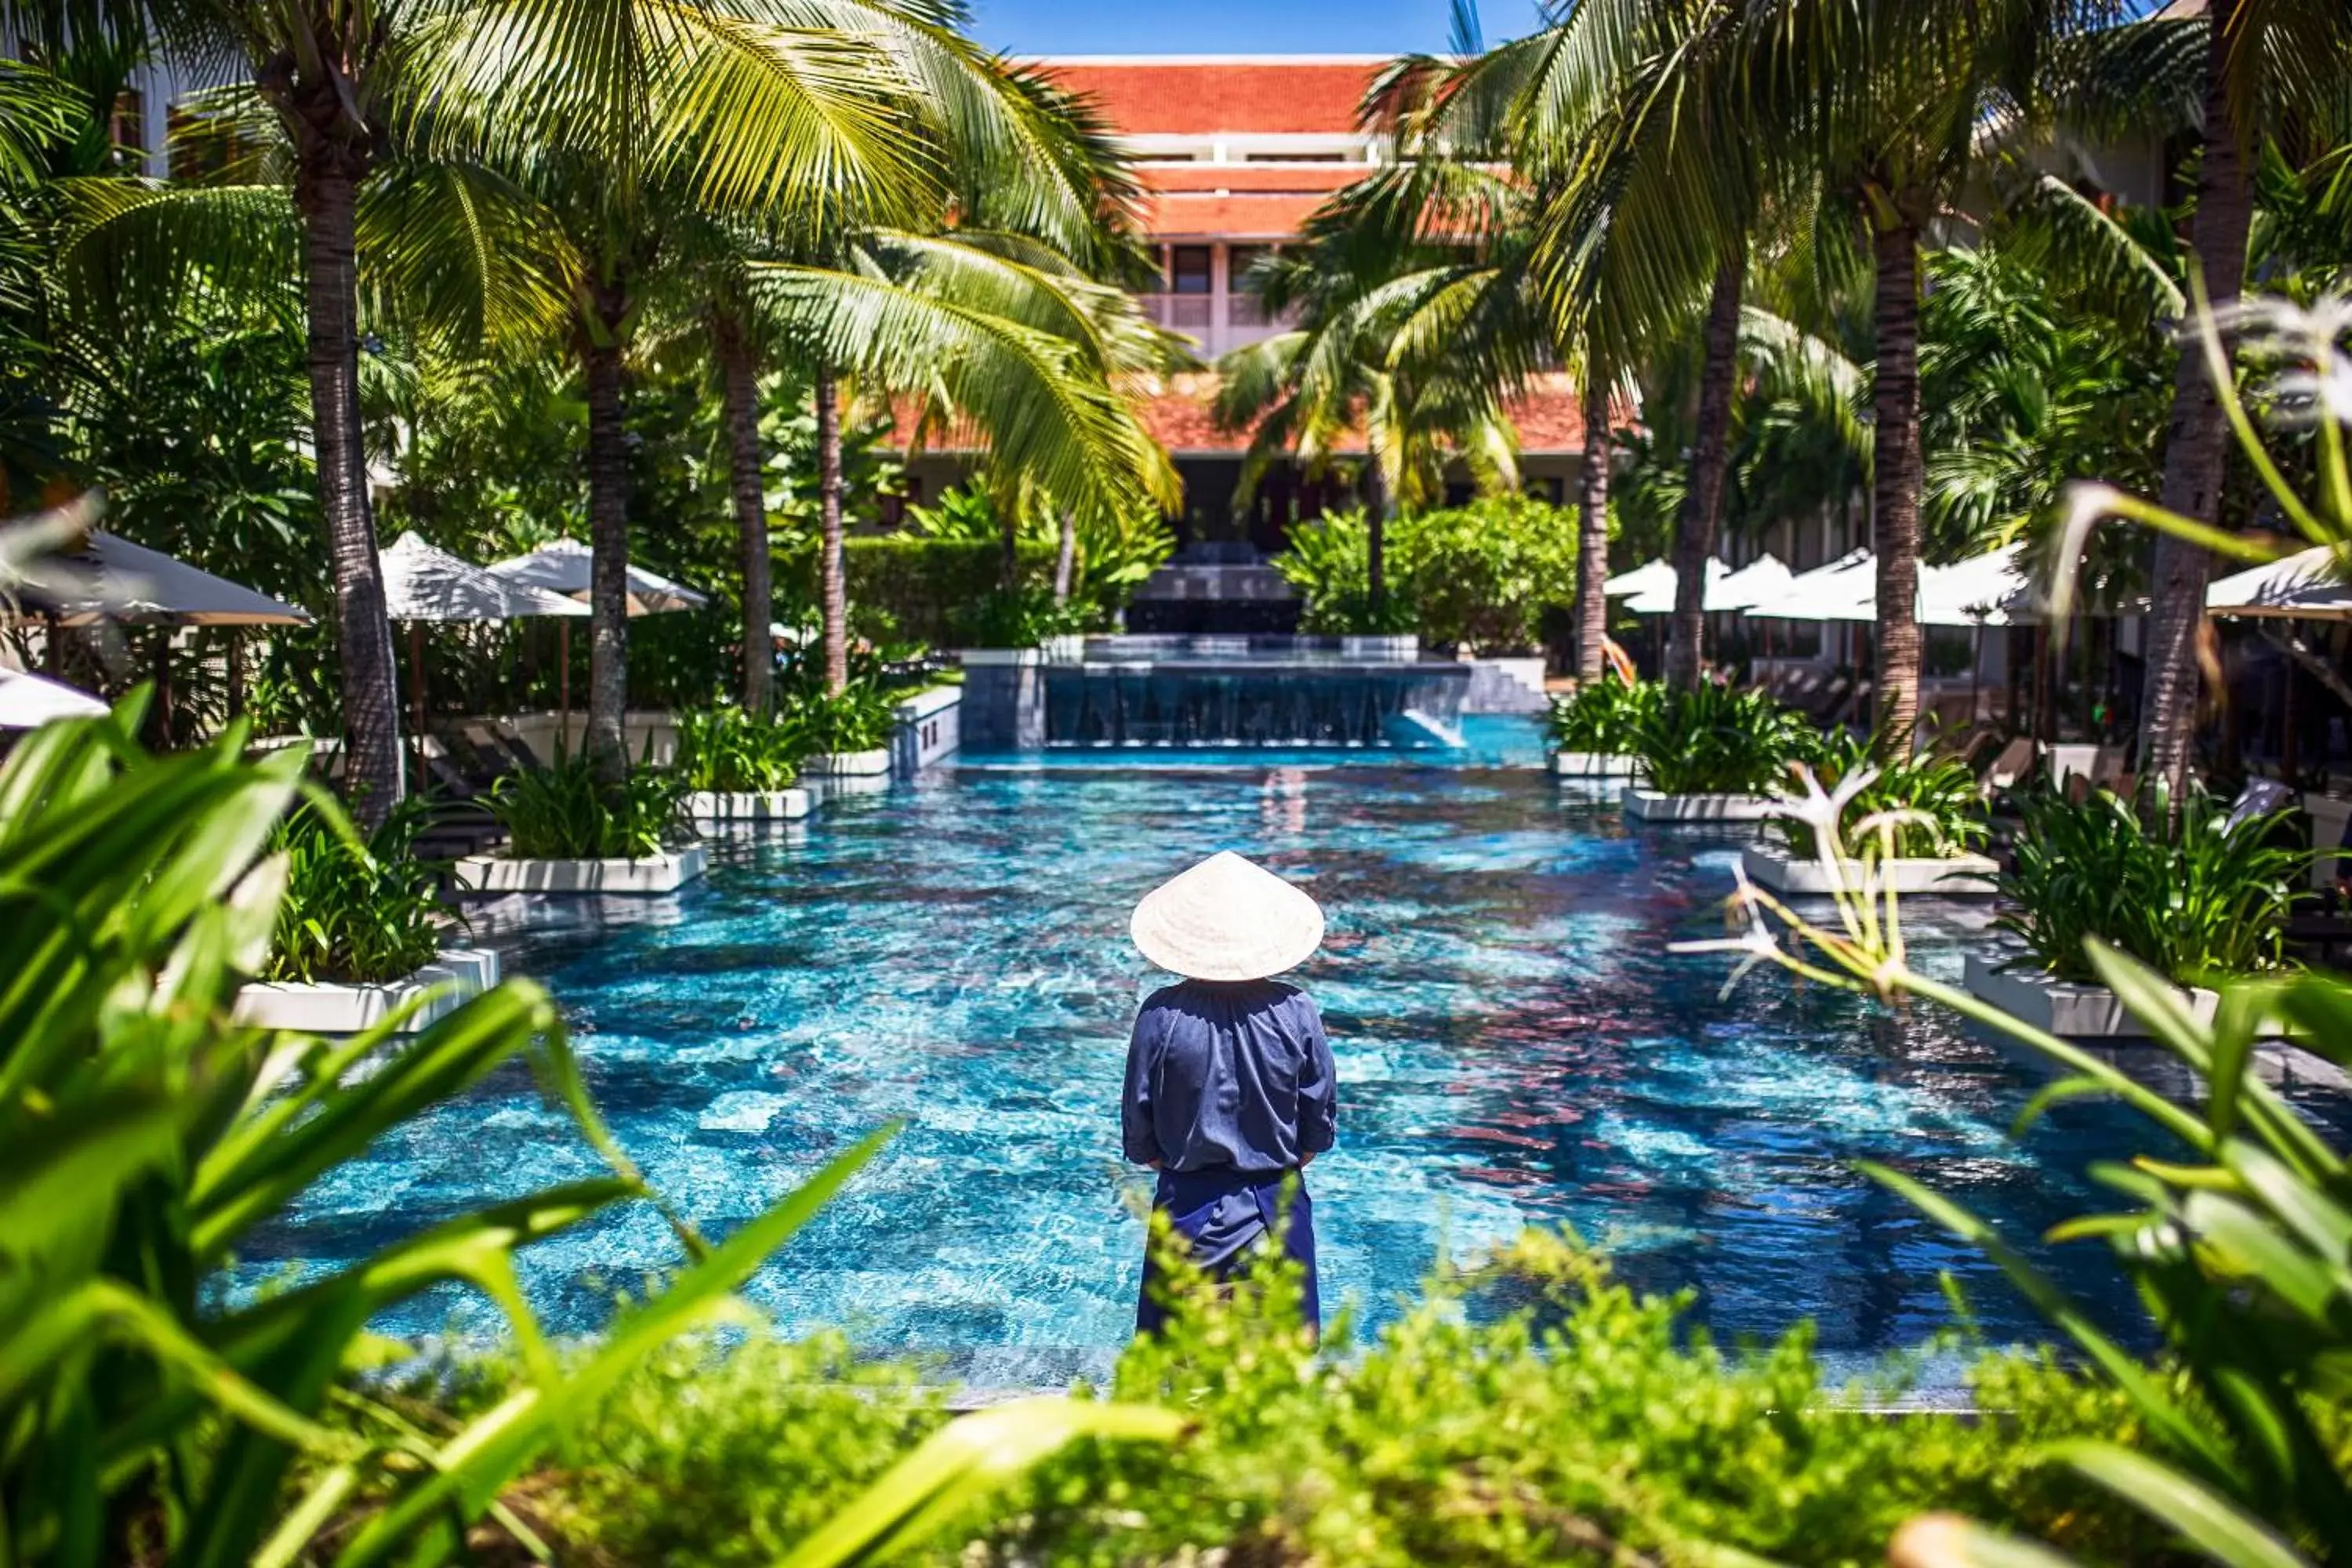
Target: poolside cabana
{"type": "Point", "coordinates": [1641, 579]}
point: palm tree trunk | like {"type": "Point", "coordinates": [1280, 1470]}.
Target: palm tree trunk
{"type": "Point", "coordinates": [833, 590]}
{"type": "Point", "coordinates": [1065, 557]}
{"type": "Point", "coordinates": [608, 538]}
{"type": "Point", "coordinates": [740, 392]}
{"type": "Point", "coordinates": [326, 189]}
{"type": "Point", "coordinates": [1703, 496]}
{"type": "Point", "coordinates": [2195, 450]}
{"type": "Point", "coordinates": [1376, 541]}
{"type": "Point", "coordinates": [1593, 534]}
{"type": "Point", "coordinates": [1898, 482]}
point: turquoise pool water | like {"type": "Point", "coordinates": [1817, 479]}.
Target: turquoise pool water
{"type": "Point", "coordinates": [1516, 1047]}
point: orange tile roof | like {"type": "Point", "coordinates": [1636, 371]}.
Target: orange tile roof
{"type": "Point", "coordinates": [1242, 214]}
{"type": "Point", "coordinates": [1201, 97]}
{"type": "Point", "coordinates": [1178, 415]}
{"type": "Point", "coordinates": [1310, 179]}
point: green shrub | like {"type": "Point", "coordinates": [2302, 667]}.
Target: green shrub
{"type": "Point", "coordinates": [727, 1456]}
{"type": "Point", "coordinates": [730, 750]}
{"type": "Point", "coordinates": [862, 717]}
{"type": "Point", "coordinates": [1480, 575]}
{"type": "Point", "coordinates": [1604, 717]}
{"type": "Point", "coordinates": [1022, 618]}
{"type": "Point", "coordinates": [1721, 740]}
{"type": "Point", "coordinates": [2232, 1235]}
{"type": "Point", "coordinates": [566, 812]}
{"type": "Point", "coordinates": [2191, 896]}
{"type": "Point", "coordinates": [1920, 805]}
{"type": "Point", "coordinates": [1591, 1419]}
{"type": "Point", "coordinates": [145, 1142]}
{"type": "Point", "coordinates": [359, 912]}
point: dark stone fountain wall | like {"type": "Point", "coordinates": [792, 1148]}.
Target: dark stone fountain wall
{"type": "Point", "coordinates": [1254, 703]}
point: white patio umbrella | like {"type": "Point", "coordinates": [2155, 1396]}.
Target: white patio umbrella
{"type": "Point", "coordinates": [1844, 590]}
{"type": "Point", "coordinates": [1658, 599]}
{"type": "Point", "coordinates": [1761, 579]}
{"type": "Point", "coordinates": [563, 567]}
{"type": "Point", "coordinates": [105, 578]}
{"type": "Point", "coordinates": [1977, 592]}
{"type": "Point", "coordinates": [2308, 585]}
{"type": "Point", "coordinates": [1640, 580]}
{"type": "Point", "coordinates": [27, 701]}
{"type": "Point", "coordinates": [425, 583]}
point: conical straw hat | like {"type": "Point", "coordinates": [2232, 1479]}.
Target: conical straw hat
{"type": "Point", "coordinates": [1227, 919]}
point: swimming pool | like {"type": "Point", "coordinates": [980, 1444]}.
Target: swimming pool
{"type": "Point", "coordinates": [1516, 1047]}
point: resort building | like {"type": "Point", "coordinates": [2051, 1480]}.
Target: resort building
{"type": "Point", "coordinates": [1235, 152]}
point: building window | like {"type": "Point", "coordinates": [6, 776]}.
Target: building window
{"type": "Point", "coordinates": [1188, 269]}
{"type": "Point", "coordinates": [129, 126]}
{"type": "Point", "coordinates": [1239, 259]}
{"type": "Point", "coordinates": [1295, 158]}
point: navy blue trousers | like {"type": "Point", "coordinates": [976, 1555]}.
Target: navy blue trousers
{"type": "Point", "coordinates": [1221, 1213]}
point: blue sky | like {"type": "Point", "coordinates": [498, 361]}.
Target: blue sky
{"type": "Point", "coordinates": [1230, 26]}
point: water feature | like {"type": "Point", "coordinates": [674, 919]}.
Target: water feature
{"type": "Point", "coordinates": [1516, 1047]}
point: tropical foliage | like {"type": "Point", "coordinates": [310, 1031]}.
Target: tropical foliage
{"type": "Point", "coordinates": [1619, 1429]}
{"type": "Point", "coordinates": [2192, 892]}
{"type": "Point", "coordinates": [1721, 740]}
{"type": "Point", "coordinates": [570, 810]}
{"type": "Point", "coordinates": [144, 1415]}
{"type": "Point", "coordinates": [1604, 717]}
{"type": "Point", "coordinates": [1922, 805]}
{"type": "Point", "coordinates": [731, 750]}
{"type": "Point", "coordinates": [356, 911]}
{"type": "Point", "coordinates": [1488, 576]}
{"type": "Point", "coordinates": [2237, 1444]}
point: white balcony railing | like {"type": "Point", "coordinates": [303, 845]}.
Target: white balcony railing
{"type": "Point", "coordinates": [1216, 322]}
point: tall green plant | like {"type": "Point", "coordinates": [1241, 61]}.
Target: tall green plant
{"type": "Point", "coordinates": [570, 811]}
{"type": "Point", "coordinates": [354, 911]}
{"type": "Point", "coordinates": [142, 1140]}
{"type": "Point", "coordinates": [2237, 1247]}
{"type": "Point", "coordinates": [1721, 740]}
{"type": "Point", "coordinates": [728, 749]}
{"type": "Point", "coordinates": [2191, 892]}
{"type": "Point", "coordinates": [1605, 716]}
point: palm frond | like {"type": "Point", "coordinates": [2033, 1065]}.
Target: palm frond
{"type": "Point", "coordinates": [1044, 413]}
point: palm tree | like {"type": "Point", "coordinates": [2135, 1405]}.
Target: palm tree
{"type": "Point", "coordinates": [2255, 66]}
{"type": "Point", "coordinates": [998, 331]}
{"type": "Point", "coordinates": [323, 68]}
{"type": "Point", "coordinates": [1417, 320]}
{"type": "Point", "coordinates": [714, 109]}
{"type": "Point", "coordinates": [1619, 116]}
{"type": "Point", "coordinates": [1025, 245]}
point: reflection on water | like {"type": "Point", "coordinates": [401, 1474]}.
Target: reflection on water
{"type": "Point", "coordinates": [1516, 1047]}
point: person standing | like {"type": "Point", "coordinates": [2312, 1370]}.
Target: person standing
{"type": "Point", "coordinates": [1230, 1090]}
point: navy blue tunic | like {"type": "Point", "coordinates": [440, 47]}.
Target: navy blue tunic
{"type": "Point", "coordinates": [1228, 1073]}
{"type": "Point", "coordinates": [1230, 1086]}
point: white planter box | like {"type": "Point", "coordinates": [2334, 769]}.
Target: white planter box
{"type": "Point", "coordinates": [2069, 1011]}
{"type": "Point", "coordinates": [663, 873]}
{"type": "Point", "coordinates": [847, 764]}
{"type": "Point", "coordinates": [1596, 765]}
{"type": "Point", "coordinates": [721, 808]}
{"type": "Point", "coordinates": [2328, 818]}
{"type": "Point", "coordinates": [1648, 806]}
{"type": "Point", "coordinates": [1773, 867]}
{"type": "Point", "coordinates": [327, 1008]}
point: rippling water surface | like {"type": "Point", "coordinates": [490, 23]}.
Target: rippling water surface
{"type": "Point", "coordinates": [1516, 1047]}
